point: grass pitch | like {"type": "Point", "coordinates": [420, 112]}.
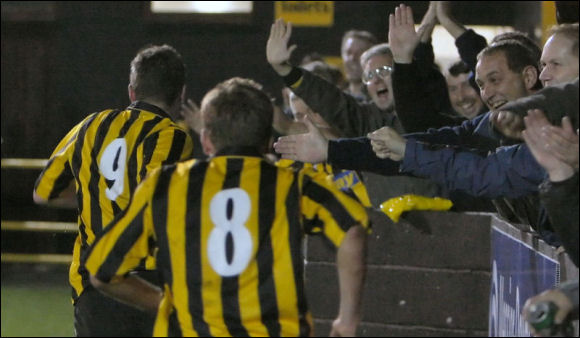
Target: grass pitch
{"type": "Point", "coordinates": [36, 301]}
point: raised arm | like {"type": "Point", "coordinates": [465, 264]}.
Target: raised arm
{"type": "Point", "coordinates": [340, 110]}
{"type": "Point", "coordinates": [277, 51]}
{"type": "Point", "coordinates": [468, 43]}
{"type": "Point", "coordinates": [447, 20]}
{"type": "Point", "coordinates": [419, 89]}
{"type": "Point", "coordinates": [428, 23]}
{"type": "Point", "coordinates": [402, 36]}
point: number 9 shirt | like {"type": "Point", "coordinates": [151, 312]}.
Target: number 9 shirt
{"type": "Point", "coordinates": [107, 155]}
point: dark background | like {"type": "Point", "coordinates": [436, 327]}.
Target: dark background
{"type": "Point", "coordinates": [63, 60]}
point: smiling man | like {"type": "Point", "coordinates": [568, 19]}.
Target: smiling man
{"type": "Point", "coordinates": [464, 99]}
{"type": "Point", "coordinates": [505, 72]}
{"type": "Point", "coordinates": [559, 62]}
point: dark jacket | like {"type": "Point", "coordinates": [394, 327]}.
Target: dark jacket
{"type": "Point", "coordinates": [508, 172]}
{"type": "Point", "coordinates": [556, 102]}
{"type": "Point", "coordinates": [475, 133]}
{"type": "Point", "coordinates": [356, 153]}
{"type": "Point", "coordinates": [469, 44]}
{"type": "Point", "coordinates": [421, 98]}
{"type": "Point", "coordinates": [420, 93]}
{"type": "Point", "coordinates": [342, 111]}
{"type": "Point", "coordinates": [561, 202]}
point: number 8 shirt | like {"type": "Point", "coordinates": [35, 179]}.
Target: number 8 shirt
{"type": "Point", "coordinates": [228, 234]}
{"type": "Point", "coordinates": [107, 155]}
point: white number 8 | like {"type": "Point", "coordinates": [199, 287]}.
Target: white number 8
{"type": "Point", "coordinates": [112, 166]}
{"type": "Point", "coordinates": [239, 205]}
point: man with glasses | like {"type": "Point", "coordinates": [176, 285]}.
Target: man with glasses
{"type": "Point", "coordinates": [342, 111]}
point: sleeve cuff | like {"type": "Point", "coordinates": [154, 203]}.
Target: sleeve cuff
{"type": "Point", "coordinates": [408, 158]}
{"type": "Point", "coordinates": [294, 78]}
{"type": "Point", "coordinates": [569, 185]}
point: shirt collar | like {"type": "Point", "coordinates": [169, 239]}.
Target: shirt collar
{"type": "Point", "coordinates": [142, 105]}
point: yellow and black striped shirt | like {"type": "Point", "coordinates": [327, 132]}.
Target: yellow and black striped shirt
{"type": "Point", "coordinates": [108, 154]}
{"type": "Point", "coordinates": [348, 181]}
{"type": "Point", "coordinates": [228, 235]}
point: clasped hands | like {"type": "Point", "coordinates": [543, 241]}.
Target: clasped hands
{"type": "Point", "coordinates": [387, 143]}
{"type": "Point", "coordinates": [312, 146]}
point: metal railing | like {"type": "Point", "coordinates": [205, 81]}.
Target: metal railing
{"type": "Point", "coordinates": [34, 226]}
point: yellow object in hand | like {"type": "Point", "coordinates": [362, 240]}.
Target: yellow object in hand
{"type": "Point", "coordinates": [395, 206]}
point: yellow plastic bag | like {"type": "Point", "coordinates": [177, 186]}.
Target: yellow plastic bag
{"type": "Point", "coordinates": [395, 206]}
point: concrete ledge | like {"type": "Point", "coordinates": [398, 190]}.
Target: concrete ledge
{"type": "Point", "coordinates": [322, 329]}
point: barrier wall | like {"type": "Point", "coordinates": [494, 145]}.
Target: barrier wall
{"type": "Point", "coordinates": [428, 275]}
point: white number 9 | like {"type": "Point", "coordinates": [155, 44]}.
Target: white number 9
{"type": "Point", "coordinates": [112, 166]}
{"type": "Point", "coordinates": [229, 210]}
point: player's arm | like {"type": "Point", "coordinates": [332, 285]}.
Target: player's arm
{"type": "Point", "coordinates": [65, 199]}
{"type": "Point", "coordinates": [131, 290]}
{"type": "Point", "coordinates": [350, 260]}
{"type": "Point", "coordinates": [344, 222]}
{"type": "Point", "coordinates": [56, 186]}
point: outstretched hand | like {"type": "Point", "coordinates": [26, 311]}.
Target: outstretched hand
{"type": "Point", "coordinates": [311, 147]}
{"type": "Point", "coordinates": [387, 143]}
{"type": "Point", "coordinates": [402, 36]}
{"type": "Point", "coordinates": [446, 19]}
{"type": "Point", "coordinates": [277, 51]}
{"type": "Point", "coordinates": [443, 10]}
{"type": "Point", "coordinates": [428, 23]}
{"type": "Point", "coordinates": [192, 115]}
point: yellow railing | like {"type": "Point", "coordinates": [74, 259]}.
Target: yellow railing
{"type": "Point", "coordinates": [39, 226]}
{"type": "Point", "coordinates": [36, 258]}
{"type": "Point", "coordinates": [35, 226]}
{"type": "Point", "coordinates": [23, 163]}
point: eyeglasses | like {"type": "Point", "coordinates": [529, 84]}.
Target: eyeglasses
{"type": "Point", "coordinates": [381, 72]}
